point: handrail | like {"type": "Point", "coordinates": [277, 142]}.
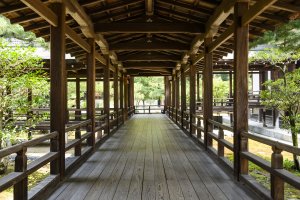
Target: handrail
{"type": "Point", "coordinates": [273, 143]}
{"type": "Point", "coordinates": [79, 125]}
{"type": "Point", "coordinates": [224, 127]}
{"type": "Point", "coordinates": [19, 147]}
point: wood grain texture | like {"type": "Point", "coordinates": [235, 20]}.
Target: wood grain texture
{"type": "Point", "coordinates": [150, 158]}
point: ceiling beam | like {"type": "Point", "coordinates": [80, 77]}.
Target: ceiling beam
{"type": "Point", "coordinates": [149, 46]}
{"type": "Point", "coordinates": [149, 7]}
{"type": "Point", "coordinates": [152, 27]}
{"type": "Point", "coordinates": [150, 56]}
{"type": "Point", "coordinates": [148, 65]}
{"type": "Point", "coordinates": [77, 39]}
{"type": "Point", "coordinates": [255, 10]}
{"type": "Point", "coordinates": [42, 10]}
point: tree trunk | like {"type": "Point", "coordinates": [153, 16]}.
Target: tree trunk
{"type": "Point", "coordinates": [295, 140]}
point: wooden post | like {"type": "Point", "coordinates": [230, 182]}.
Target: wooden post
{"type": "Point", "coordinates": [177, 100]}
{"type": "Point", "coordinates": [198, 87]}
{"type": "Point", "coordinates": [78, 117]}
{"type": "Point", "coordinates": [91, 80]}
{"type": "Point", "coordinates": [131, 91]}
{"type": "Point", "coordinates": [277, 184]}
{"type": "Point", "coordinates": [230, 95]}
{"type": "Point", "coordinates": [220, 145]}
{"type": "Point", "coordinates": [21, 188]}
{"type": "Point", "coordinates": [173, 100]}
{"type": "Point", "coordinates": [122, 96]}
{"type": "Point", "coordinates": [106, 87]}
{"type": "Point", "coordinates": [167, 92]}
{"type": "Point", "coordinates": [192, 97]}
{"type": "Point", "coordinates": [125, 98]}
{"type": "Point", "coordinates": [241, 44]}
{"type": "Point", "coordinates": [58, 89]}
{"type": "Point", "coordinates": [116, 94]}
{"type": "Point", "coordinates": [207, 92]}
{"type": "Point", "coordinates": [183, 95]}
{"type": "Point", "coordinates": [29, 113]}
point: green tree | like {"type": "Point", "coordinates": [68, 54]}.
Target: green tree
{"type": "Point", "coordinates": [20, 70]}
{"type": "Point", "coordinates": [148, 88]}
{"type": "Point", "coordinates": [220, 88]}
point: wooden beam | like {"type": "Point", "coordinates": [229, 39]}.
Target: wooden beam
{"type": "Point", "coordinates": [106, 93]}
{"type": "Point", "coordinates": [149, 7]}
{"type": "Point", "coordinates": [148, 65]}
{"type": "Point", "coordinates": [149, 46]}
{"type": "Point", "coordinates": [42, 10]}
{"type": "Point", "coordinates": [221, 39]}
{"type": "Point", "coordinates": [255, 10]}
{"type": "Point", "coordinates": [77, 39]}
{"type": "Point", "coordinates": [153, 27]}
{"type": "Point", "coordinates": [150, 56]}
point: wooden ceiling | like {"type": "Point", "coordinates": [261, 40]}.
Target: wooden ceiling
{"type": "Point", "coordinates": [149, 37]}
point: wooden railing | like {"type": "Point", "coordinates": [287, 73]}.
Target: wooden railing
{"type": "Point", "coordinates": [147, 109]}
{"type": "Point", "coordinates": [79, 135]}
{"type": "Point", "coordinates": [19, 178]}
{"type": "Point", "coordinates": [215, 132]}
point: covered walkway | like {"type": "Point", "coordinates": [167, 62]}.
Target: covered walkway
{"type": "Point", "coordinates": [150, 158]}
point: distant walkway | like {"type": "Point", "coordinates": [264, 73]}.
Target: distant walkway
{"type": "Point", "coordinates": [150, 158]}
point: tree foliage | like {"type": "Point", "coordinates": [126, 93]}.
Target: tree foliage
{"type": "Point", "coordinates": [19, 71]}
{"type": "Point", "coordinates": [148, 88]}
{"type": "Point", "coordinates": [12, 32]}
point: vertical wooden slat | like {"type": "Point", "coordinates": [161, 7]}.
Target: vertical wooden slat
{"type": "Point", "coordinates": [106, 87]}
{"type": "Point", "coordinates": [21, 188]}
{"type": "Point", "coordinates": [77, 117]}
{"type": "Point", "coordinates": [198, 87]}
{"type": "Point", "coordinates": [207, 92]}
{"type": "Point", "coordinates": [192, 97]}
{"type": "Point", "coordinates": [177, 100]}
{"type": "Point", "coordinates": [91, 80]}
{"type": "Point", "coordinates": [241, 44]}
{"type": "Point", "coordinates": [126, 98]}
{"type": "Point", "coordinates": [122, 96]}
{"type": "Point", "coordinates": [131, 92]}
{"type": "Point", "coordinates": [58, 88]}
{"type": "Point", "coordinates": [183, 95]}
{"type": "Point", "coordinates": [116, 93]}
{"type": "Point", "coordinates": [277, 184]}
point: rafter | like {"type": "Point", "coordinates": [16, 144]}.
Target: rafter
{"type": "Point", "coordinates": [138, 27]}
{"type": "Point", "coordinates": [149, 46]}
{"type": "Point", "coordinates": [149, 56]}
{"type": "Point", "coordinates": [149, 65]}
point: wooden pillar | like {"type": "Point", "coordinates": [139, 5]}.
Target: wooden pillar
{"type": "Point", "coordinates": [198, 87]}
{"type": "Point", "coordinates": [167, 92]}
{"type": "Point", "coordinates": [131, 92]}
{"type": "Point", "coordinates": [91, 80]}
{"type": "Point", "coordinates": [106, 87]}
{"type": "Point", "coordinates": [77, 149]}
{"type": "Point", "coordinates": [177, 95]}
{"type": "Point", "coordinates": [116, 93]}
{"type": "Point", "coordinates": [122, 96]}
{"type": "Point", "coordinates": [230, 95]}
{"type": "Point", "coordinates": [183, 95]}
{"type": "Point", "coordinates": [192, 97]}
{"type": "Point", "coordinates": [262, 79]}
{"type": "Point", "coordinates": [207, 92]}
{"type": "Point", "coordinates": [126, 98]}
{"type": "Point", "coordinates": [241, 45]}
{"type": "Point", "coordinates": [58, 89]}
{"type": "Point", "coordinates": [29, 113]}
{"type": "Point", "coordinates": [173, 90]}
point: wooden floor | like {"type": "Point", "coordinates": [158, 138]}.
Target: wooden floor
{"type": "Point", "coordinates": [150, 158]}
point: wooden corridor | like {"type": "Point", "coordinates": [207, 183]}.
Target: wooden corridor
{"type": "Point", "coordinates": [150, 158]}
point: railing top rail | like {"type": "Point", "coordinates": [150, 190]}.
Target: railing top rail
{"type": "Point", "coordinates": [78, 125]}
{"type": "Point", "coordinates": [19, 147]}
{"type": "Point", "coordinates": [224, 127]}
{"type": "Point", "coordinates": [273, 143]}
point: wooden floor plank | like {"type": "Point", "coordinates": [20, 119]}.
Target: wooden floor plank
{"type": "Point", "coordinates": [150, 158]}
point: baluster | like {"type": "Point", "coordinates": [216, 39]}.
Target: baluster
{"type": "Point", "coordinates": [21, 188]}
{"type": "Point", "coordinates": [277, 184]}
{"type": "Point", "coordinates": [220, 145]}
{"type": "Point", "coordinates": [198, 127]}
